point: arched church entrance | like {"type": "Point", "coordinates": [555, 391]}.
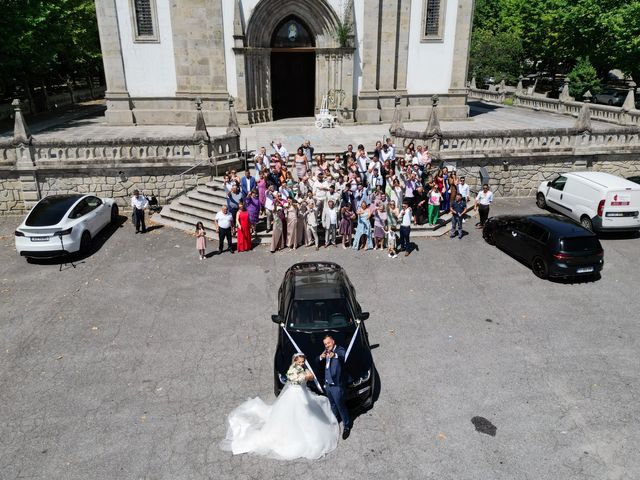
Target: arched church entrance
{"type": "Point", "coordinates": [293, 70]}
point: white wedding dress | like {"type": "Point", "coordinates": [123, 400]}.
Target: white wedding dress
{"type": "Point", "coordinates": [299, 424]}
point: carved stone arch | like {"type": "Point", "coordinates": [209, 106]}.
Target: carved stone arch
{"type": "Point", "coordinates": [318, 15]}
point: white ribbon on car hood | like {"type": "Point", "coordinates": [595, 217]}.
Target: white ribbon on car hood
{"type": "Point", "coordinates": [293, 342]}
{"type": "Point", "coordinates": [353, 339]}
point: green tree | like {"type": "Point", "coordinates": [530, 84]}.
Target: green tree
{"type": "Point", "coordinates": [583, 78]}
{"type": "Point", "coordinates": [496, 55]}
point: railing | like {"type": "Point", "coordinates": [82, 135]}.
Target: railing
{"type": "Point", "coordinates": [487, 95]}
{"type": "Point", "coordinates": [120, 151]}
{"type": "Point", "coordinates": [498, 143]}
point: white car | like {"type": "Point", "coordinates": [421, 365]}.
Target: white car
{"type": "Point", "coordinates": [63, 224]}
{"type": "Point", "coordinates": [598, 201]}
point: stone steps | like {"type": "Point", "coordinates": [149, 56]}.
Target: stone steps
{"type": "Point", "coordinates": [203, 202]}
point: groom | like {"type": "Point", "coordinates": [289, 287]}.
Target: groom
{"type": "Point", "coordinates": [334, 382]}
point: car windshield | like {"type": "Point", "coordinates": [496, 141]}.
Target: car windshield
{"type": "Point", "coordinates": [580, 244]}
{"type": "Point", "coordinates": [328, 313]}
{"type": "Point", "coordinates": [50, 210]}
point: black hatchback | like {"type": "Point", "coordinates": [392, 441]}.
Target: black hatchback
{"type": "Point", "coordinates": [314, 300]}
{"type": "Point", "coordinates": [553, 245]}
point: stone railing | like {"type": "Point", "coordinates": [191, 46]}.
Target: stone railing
{"type": "Point", "coordinates": [118, 151]}
{"type": "Point", "coordinates": [490, 96]}
{"type": "Point", "coordinates": [603, 113]}
{"type": "Point", "coordinates": [529, 143]}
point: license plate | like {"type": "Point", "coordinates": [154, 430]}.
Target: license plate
{"type": "Point", "coordinates": [585, 270]}
{"type": "Point", "coordinates": [40, 239]}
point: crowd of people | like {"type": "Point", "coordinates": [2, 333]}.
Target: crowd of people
{"type": "Point", "coordinates": [368, 200]}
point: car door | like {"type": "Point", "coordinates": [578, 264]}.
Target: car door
{"type": "Point", "coordinates": [512, 241]}
{"type": "Point", "coordinates": [533, 240]}
{"type": "Point", "coordinates": [95, 215]}
{"type": "Point", "coordinates": [555, 194]}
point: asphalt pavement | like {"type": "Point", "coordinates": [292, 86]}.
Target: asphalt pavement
{"type": "Point", "coordinates": [124, 364]}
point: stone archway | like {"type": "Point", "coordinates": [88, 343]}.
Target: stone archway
{"type": "Point", "coordinates": [333, 63]}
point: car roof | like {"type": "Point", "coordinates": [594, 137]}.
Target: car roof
{"type": "Point", "coordinates": [51, 209]}
{"type": "Point", "coordinates": [560, 226]}
{"type": "Point", "coordinates": [603, 179]}
{"type": "Point", "coordinates": [317, 280]}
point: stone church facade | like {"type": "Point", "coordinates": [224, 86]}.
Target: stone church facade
{"type": "Point", "coordinates": [279, 58]}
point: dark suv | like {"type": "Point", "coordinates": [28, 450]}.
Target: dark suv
{"type": "Point", "coordinates": [553, 245]}
{"type": "Point", "coordinates": [314, 300]}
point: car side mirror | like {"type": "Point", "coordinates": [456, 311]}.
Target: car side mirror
{"type": "Point", "coordinates": [276, 319]}
{"type": "Point", "coordinates": [363, 315]}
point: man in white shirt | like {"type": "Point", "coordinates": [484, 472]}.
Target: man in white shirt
{"type": "Point", "coordinates": [330, 224]}
{"type": "Point", "coordinates": [320, 192]}
{"type": "Point", "coordinates": [139, 203]}
{"type": "Point", "coordinates": [361, 161]}
{"type": "Point", "coordinates": [463, 189]}
{"type": "Point", "coordinates": [224, 226]}
{"type": "Point", "coordinates": [483, 202]}
{"type": "Point", "coordinates": [280, 150]}
{"type": "Point", "coordinates": [406, 216]}
{"type": "Point", "coordinates": [262, 161]}
{"type": "Point", "coordinates": [268, 206]}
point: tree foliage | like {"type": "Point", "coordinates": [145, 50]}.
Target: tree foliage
{"type": "Point", "coordinates": [496, 55]}
{"type": "Point", "coordinates": [555, 33]}
{"type": "Point", "coordinates": [583, 78]}
{"type": "Point", "coordinates": [44, 42]}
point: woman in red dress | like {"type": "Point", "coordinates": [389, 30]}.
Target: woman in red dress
{"type": "Point", "coordinates": [243, 228]}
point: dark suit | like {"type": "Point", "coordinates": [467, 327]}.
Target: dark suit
{"type": "Point", "coordinates": [335, 382]}
{"type": "Point", "coordinates": [246, 185]}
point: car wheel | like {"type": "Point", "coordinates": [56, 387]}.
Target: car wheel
{"type": "Point", "coordinates": [539, 268]}
{"type": "Point", "coordinates": [114, 213]}
{"type": "Point", "coordinates": [586, 223]}
{"type": "Point", "coordinates": [85, 242]}
{"type": "Point", "coordinates": [488, 236]}
{"type": "Point", "coordinates": [540, 201]}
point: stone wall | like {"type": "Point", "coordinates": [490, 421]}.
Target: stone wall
{"type": "Point", "coordinates": [520, 177]}
{"type": "Point", "coordinates": [10, 195]}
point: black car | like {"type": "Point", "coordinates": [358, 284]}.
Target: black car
{"type": "Point", "coordinates": [554, 246]}
{"type": "Point", "coordinates": [314, 300]}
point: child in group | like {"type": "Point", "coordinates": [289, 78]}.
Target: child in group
{"type": "Point", "coordinates": [391, 240]}
{"type": "Point", "coordinates": [201, 239]}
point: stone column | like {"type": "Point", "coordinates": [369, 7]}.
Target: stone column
{"type": "Point", "coordinates": [462, 42]}
{"type": "Point", "coordinates": [199, 52]}
{"type": "Point", "coordinates": [367, 111]}
{"type": "Point", "coordinates": [238, 51]}
{"type": "Point", "coordinates": [117, 95]}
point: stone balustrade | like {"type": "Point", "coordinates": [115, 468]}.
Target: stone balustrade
{"type": "Point", "coordinates": [529, 143]}
{"type": "Point", "coordinates": [489, 96]}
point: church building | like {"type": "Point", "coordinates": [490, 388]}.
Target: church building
{"type": "Point", "coordinates": [279, 58]}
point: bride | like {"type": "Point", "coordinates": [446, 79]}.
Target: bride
{"type": "Point", "coordinates": [299, 424]}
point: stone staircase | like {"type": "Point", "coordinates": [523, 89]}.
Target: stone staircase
{"type": "Point", "coordinates": [203, 202]}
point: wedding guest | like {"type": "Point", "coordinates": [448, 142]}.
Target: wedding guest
{"type": "Point", "coordinates": [243, 228]}
{"type": "Point", "coordinates": [363, 231]}
{"type": "Point", "coordinates": [252, 204]}
{"type": "Point", "coordinates": [224, 227]}
{"type": "Point", "coordinates": [302, 226]}
{"type": "Point", "coordinates": [379, 221]}
{"type": "Point", "coordinates": [458, 209]}
{"type": "Point", "coordinates": [139, 203]}
{"type": "Point", "coordinates": [283, 155]}
{"type": "Point", "coordinates": [201, 239]}
{"type": "Point", "coordinates": [292, 225]}
{"type": "Point", "coordinates": [435, 198]}
{"type": "Point", "coordinates": [268, 206]}
{"type": "Point", "coordinates": [311, 220]}
{"type": "Point", "coordinates": [346, 225]}
{"type": "Point", "coordinates": [391, 241]}
{"type": "Point", "coordinates": [308, 151]}
{"type": "Point", "coordinates": [262, 191]}
{"type": "Point", "coordinates": [330, 223]}
{"type": "Point", "coordinates": [247, 183]}
{"type": "Point", "coordinates": [278, 234]}
{"type": "Point", "coordinates": [463, 189]}
{"type": "Point", "coordinates": [421, 201]}
{"type": "Point", "coordinates": [406, 216]}
{"type": "Point", "coordinates": [233, 200]}
{"type": "Point", "coordinates": [302, 163]}
{"type": "Point", "coordinates": [483, 202]}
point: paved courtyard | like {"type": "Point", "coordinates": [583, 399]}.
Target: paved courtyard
{"type": "Point", "coordinates": [126, 365]}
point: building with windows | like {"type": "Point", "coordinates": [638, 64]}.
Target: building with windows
{"type": "Point", "coordinates": [279, 58]}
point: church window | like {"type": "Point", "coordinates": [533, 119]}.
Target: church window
{"type": "Point", "coordinates": [433, 20]}
{"type": "Point", "coordinates": [144, 19]}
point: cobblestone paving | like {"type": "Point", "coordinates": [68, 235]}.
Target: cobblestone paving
{"type": "Point", "coordinates": [126, 366]}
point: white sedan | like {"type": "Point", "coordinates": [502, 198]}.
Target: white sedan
{"type": "Point", "coordinates": [62, 224]}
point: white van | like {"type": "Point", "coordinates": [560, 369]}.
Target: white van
{"type": "Point", "coordinates": [599, 201]}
